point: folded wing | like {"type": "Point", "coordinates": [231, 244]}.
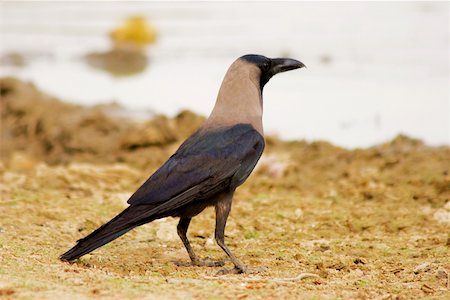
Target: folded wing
{"type": "Point", "coordinates": [204, 165]}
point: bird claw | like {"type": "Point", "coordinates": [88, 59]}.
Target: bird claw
{"type": "Point", "coordinates": [235, 270]}
{"type": "Point", "coordinates": [240, 270]}
{"type": "Point", "coordinates": [207, 262]}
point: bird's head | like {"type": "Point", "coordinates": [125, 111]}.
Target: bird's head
{"type": "Point", "coordinates": [271, 66]}
{"type": "Point", "coordinates": [240, 96]}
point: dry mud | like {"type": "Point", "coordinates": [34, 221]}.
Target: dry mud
{"type": "Point", "coordinates": [323, 221]}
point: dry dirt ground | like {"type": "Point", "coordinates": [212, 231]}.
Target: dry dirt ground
{"type": "Point", "coordinates": [325, 222]}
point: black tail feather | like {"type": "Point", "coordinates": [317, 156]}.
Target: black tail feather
{"type": "Point", "coordinates": [81, 249]}
{"type": "Point", "coordinates": [106, 233]}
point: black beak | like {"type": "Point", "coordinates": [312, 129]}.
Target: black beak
{"type": "Point", "coordinates": [284, 64]}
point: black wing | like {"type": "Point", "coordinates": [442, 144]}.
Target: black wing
{"type": "Point", "coordinates": [204, 165]}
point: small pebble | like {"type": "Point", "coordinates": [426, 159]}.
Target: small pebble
{"type": "Point", "coordinates": [423, 267]}
{"type": "Point", "coordinates": [442, 273]}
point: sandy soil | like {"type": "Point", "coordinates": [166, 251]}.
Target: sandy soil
{"type": "Point", "coordinates": [325, 222]}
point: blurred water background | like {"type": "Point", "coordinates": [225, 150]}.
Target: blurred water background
{"type": "Point", "coordinates": [375, 69]}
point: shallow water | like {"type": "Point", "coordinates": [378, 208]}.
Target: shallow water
{"type": "Point", "coordinates": [374, 69]}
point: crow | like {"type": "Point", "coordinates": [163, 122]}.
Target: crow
{"type": "Point", "coordinates": [207, 167]}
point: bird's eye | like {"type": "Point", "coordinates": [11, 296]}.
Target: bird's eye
{"type": "Point", "coordinates": [265, 66]}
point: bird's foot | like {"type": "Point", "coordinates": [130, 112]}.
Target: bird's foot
{"type": "Point", "coordinates": [207, 262]}
{"type": "Point", "coordinates": [235, 270]}
{"type": "Point", "coordinates": [241, 270]}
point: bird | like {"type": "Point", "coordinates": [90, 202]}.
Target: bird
{"type": "Point", "coordinates": [207, 167]}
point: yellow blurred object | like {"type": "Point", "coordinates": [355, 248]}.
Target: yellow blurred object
{"type": "Point", "coordinates": [135, 31]}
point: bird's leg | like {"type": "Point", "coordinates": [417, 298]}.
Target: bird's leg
{"type": "Point", "coordinates": [223, 207]}
{"type": "Point", "coordinates": [182, 229]}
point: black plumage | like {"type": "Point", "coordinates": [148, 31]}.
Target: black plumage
{"type": "Point", "coordinates": [205, 165]}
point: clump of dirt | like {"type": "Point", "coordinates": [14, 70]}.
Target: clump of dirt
{"type": "Point", "coordinates": [403, 167]}
{"type": "Point", "coordinates": [326, 222]}
{"type": "Point", "coordinates": [47, 129]}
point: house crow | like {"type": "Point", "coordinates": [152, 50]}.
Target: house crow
{"type": "Point", "coordinates": [207, 168]}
